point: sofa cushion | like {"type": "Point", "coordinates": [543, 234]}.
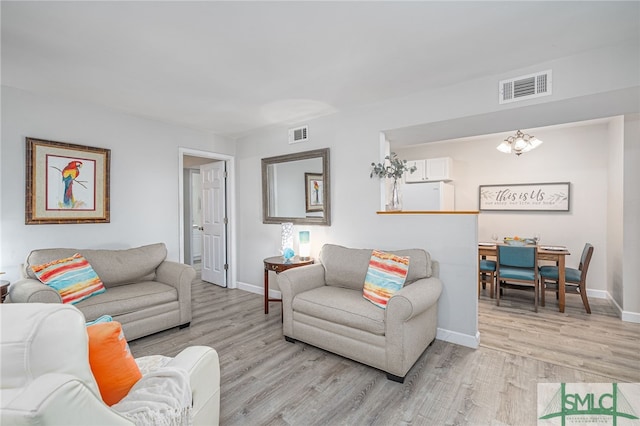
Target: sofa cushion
{"type": "Point", "coordinates": [114, 267]}
{"type": "Point", "coordinates": [385, 276]}
{"type": "Point", "coordinates": [72, 277]}
{"type": "Point", "coordinates": [347, 267]}
{"type": "Point", "coordinates": [126, 299]}
{"type": "Point", "coordinates": [341, 306]}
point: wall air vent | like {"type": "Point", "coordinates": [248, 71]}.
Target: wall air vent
{"type": "Point", "coordinates": [299, 134]}
{"type": "Point", "coordinates": [525, 87]}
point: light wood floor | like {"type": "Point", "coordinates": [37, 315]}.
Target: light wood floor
{"type": "Point", "coordinates": [267, 381]}
{"type": "Point", "coordinates": [599, 342]}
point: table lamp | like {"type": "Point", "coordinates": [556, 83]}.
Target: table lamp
{"type": "Point", "coordinates": [287, 241]}
{"type": "Point", "coordinates": [305, 245]}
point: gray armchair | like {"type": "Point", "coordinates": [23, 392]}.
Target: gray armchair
{"type": "Point", "coordinates": [324, 307]}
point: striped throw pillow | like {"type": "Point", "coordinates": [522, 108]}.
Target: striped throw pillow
{"type": "Point", "coordinates": [385, 276]}
{"type": "Point", "coordinates": [72, 277]}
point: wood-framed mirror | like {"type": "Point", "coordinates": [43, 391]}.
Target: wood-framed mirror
{"type": "Point", "coordinates": [296, 188]}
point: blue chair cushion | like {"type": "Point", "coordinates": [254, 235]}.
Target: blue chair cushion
{"type": "Point", "coordinates": [525, 274]}
{"type": "Point", "coordinates": [520, 257]}
{"type": "Point", "coordinates": [551, 273]}
{"type": "Point", "coordinates": [487, 265]}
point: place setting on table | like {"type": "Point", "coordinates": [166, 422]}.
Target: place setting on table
{"type": "Point", "coordinates": [551, 253]}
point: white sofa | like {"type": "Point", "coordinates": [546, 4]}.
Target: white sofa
{"type": "Point", "coordinates": [322, 305]}
{"type": "Point", "coordinates": [46, 378]}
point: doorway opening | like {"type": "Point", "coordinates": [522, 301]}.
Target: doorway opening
{"type": "Point", "coordinates": [207, 231]}
{"type": "Point", "coordinates": [193, 213]}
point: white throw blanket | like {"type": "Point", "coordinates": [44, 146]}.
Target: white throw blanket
{"type": "Point", "coordinates": [161, 397]}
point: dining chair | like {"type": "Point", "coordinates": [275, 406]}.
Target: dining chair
{"type": "Point", "coordinates": [517, 265]}
{"type": "Point", "coordinates": [487, 275]}
{"type": "Point", "coordinates": [575, 279]}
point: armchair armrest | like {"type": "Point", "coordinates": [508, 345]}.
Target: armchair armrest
{"type": "Point", "coordinates": [29, 290]}
{"type": "Point", "coordinates": [203, 366]}
{"type": "Point", "coordinates": [56, 399]}
{"type": "Point", "coordinates": [295, 281]}
{"type": "Point", "coordinates": [435, 268]}
{"type": "Point", "coordinates": [413, 299]}
{"type": "Point", "coordinates": [298, 280]}
{"type": "Point", "coordinates": [180, 276]}
{"type": "Point", "coordinates": [411, 323]}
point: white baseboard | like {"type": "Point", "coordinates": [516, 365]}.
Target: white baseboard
{"type": "Point", "coordinates": [251, 288]}
{"type": "Point", "coordinates": [629, 316]}
{"type": "Point", "coordinates": [598, 294]}
{"type": "Point", "coordinates": [626, 316]}
{"type": "Point", "coordinates": [458, 338]}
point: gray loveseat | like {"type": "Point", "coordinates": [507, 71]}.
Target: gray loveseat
{"type": "Point", "coordinates": [324, 307]}
{"type": "Point", "coordinates": [144, 292]}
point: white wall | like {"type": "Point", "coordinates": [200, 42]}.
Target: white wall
{"type": "Point", "coordinates": [575, 154]}
{"type": "Point", "coordinates": [615, 211]}
{"type": "Point", "coordinates": [144, 185]}
{"type": "Point", "coordinates": [608, 84]}
{"type": "Point", "coordinates": [144, 175]}
{"type": "Point", "coordinates": [631, 235]}
{"type": "Point", "coordinates": [450, 239]}
{"type": "Point", "coordinates": [595, 84]}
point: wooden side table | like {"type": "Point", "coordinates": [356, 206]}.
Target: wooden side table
{"type": "Point", "coordinates": [4, 289]}
{"type": "Point", "coordinates": [277, 264]}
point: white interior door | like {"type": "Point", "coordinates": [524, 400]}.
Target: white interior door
{"type": "Point", "coordinates": [214, 217]}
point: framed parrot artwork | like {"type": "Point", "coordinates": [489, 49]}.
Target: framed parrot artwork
{"type": "Point", "coordinates": [66, 183]}
{"type": "Point", "coordinates": [313, 191]}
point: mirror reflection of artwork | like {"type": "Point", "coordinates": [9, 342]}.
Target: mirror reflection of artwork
{"type": "Point", "coordinates": [287, 186]}
{"type": "Point", "coordinates": [313, 192]}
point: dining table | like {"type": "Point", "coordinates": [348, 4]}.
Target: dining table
{"type": "Point", "coordinates": [555, 254]}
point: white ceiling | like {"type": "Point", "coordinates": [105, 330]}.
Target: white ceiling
{"type": "Point", "coordinates": [231, 67]}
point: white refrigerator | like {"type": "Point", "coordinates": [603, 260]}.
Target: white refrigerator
{"type": "Point", "coordinates": [428, 196]}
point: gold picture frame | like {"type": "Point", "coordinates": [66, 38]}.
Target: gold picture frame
{"type": "Point", "coordinates": [66, 183]}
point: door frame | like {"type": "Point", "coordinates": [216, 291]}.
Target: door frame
{"type": "Point", "coordinates": [231, 206]}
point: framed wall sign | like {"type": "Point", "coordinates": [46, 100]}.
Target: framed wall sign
{"type": "Point", "coordinates": [66, 183]}
{"type": "Point", "coordinates": [525, 197]}
{"type": "Point", "coordinates": [313, 190]}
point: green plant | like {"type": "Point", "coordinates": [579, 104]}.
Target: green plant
{"type": "Point", "coordinates": [392, 167]}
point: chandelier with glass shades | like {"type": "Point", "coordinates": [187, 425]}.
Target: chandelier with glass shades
{"type": "Point", "coordinates": [519, 143]}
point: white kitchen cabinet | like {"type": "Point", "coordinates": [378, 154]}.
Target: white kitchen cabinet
{"type": "Point", "coordinates": [430, 170]}
{"type": "Point", "coordinates": [418, 175]}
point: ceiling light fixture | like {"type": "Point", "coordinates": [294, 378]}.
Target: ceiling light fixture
{"type": "Point", "coordinates": [519, 143]}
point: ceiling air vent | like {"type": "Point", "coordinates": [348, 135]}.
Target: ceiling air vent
{"type": "Point", "coordinates": [299, 134]}
{"type": "Point", "coordinates": [525, 87]}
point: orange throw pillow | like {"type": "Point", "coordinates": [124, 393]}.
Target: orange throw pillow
{"type": "Point", "coordinates": [111, 361]}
